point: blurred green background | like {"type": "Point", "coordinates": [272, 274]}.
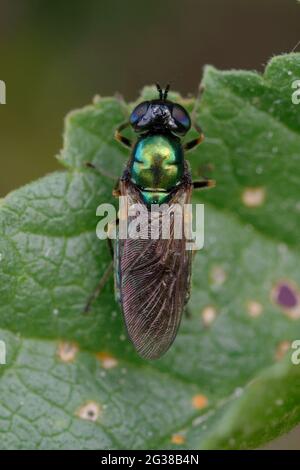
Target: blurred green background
{"type": "Point", "coordinates": [55, 56]}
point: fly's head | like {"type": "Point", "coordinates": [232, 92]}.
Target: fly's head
{"type": "Point", "coordinates": [160, 116]}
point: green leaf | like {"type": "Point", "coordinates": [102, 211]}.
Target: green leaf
{"type": "Point", "coordinates": [73, 380]}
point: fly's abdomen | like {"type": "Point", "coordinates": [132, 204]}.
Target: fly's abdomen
{"type": "Point", "coordinates": [153, 279]}
{"type": "Point", "coordinates": [157, 166]}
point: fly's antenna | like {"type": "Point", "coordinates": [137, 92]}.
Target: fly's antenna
{"type": "Point", "coordinates": [165, 93]}
{"type": "Point", "coordinates": [161, 94]}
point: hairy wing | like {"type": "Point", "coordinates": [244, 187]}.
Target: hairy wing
{"type": "Point", "coordinates": [154, 278]}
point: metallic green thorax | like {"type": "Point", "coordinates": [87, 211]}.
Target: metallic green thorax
{"type": "Point", "coordinates": [157, 166]}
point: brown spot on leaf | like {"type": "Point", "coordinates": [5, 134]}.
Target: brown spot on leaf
{"type": "Point", "coordinates": [67, 351]}
{"type": "Point", "coordinates": [199, 401]}
{"type": "Point", "coordinates": [285, 294]}
{"type": "Point", "coordinates": [254, 197]}
{"type": "Point", "coordinates": [89, 411]}
{"type": "Point", "coordinates": [177, 439]}
{"type": "Point", "coordinates": [282, 349]}
{"type": "Point", "coordinates": [254, 308]}
{"type": "Point", "coordinates": [107, 360]}
{"type": "Point", "coordinates": [208, 314]}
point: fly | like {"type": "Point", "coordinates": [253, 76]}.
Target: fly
{"type": "Point", "coordinates": [152, 276]}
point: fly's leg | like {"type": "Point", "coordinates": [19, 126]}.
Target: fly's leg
{"type": "Point", "coordinates": [106, 274]}
{"type": "Point", "coordinates": [116, 191]}
{"type": "Point", "coordinates": [204, 184]}
{"type": "Point", "coordinates": [110, 227]}
{"type": "Point", "coordinates": [99, 287]}
{"type": "Point", "coordinates": [100, 170]}
{"type": "Point", "coordinates": [205, 181]}
{"type": "Point", "coordinates": [108, 270]}
{"type": "Point", "coordinates": [195, 142]}
{"type": "Point", "coordinates": [110, 247]}
{"type": "Point", "coordinates": [121, 138]}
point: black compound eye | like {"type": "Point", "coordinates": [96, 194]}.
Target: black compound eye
{"type": "Point", "coordinates": [181, 117]}
{"type": "Point", "coordinates": [138, 112]}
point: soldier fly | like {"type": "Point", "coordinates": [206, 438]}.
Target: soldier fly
{"type": "Point", "coordinates": [152, 276]}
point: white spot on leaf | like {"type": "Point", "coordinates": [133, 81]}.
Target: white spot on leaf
{"type": "Point", "coordinates": [238, 392]}
{"type": "Point", "coordinates": [67, 351]}
{"type": "Point", "coordinates": [90, 411]}
{"type": "Point", "coordinates": [107, 360]}
{"type": "Point", "coordinates": [254, 308]}
{"type": "Point", "coordinates": [254, 197]}
{"type": "Point", "coordinates": [209, 314]}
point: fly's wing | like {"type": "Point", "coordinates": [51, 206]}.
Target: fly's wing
{"type": "Point", "coordinates": [154, 278]}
